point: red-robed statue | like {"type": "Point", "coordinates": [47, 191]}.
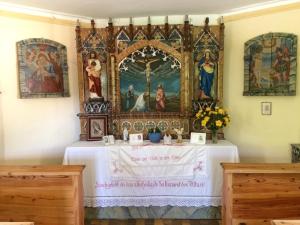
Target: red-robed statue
{"type": "Point", "coordinates": [94, 73]}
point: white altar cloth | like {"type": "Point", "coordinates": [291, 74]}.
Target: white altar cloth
{"type": "Point", "coordinates": [103, 189]}
{"type": "Point", "coordinates": [166, 161]}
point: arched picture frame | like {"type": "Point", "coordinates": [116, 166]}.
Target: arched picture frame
{"type": "Point", "coordinates": [270, 65]}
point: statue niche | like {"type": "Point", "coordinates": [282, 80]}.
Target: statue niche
{"type": "Point", "coordinates": [92, 57]}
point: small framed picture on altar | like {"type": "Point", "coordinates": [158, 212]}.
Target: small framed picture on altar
{"type": "Point", "coordinates": [106, 140]}
{"type": "Point", "coordinates": [109, 140]}
{"type": "Point", "coordinates": [136, 139]}
{"type": "Point", "coordinates": [97, 127]}
{"type": "Point", "coordinates": [198, 138]}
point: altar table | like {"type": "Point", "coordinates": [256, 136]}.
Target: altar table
{"type": "Point", "coordinates": [197, 186]}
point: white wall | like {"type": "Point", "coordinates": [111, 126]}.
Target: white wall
{"type": "Point", "coordinates": [259, 138]}
{"type": "Point", "coordinates": [35, 131]}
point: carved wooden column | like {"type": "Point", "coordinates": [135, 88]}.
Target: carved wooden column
{"type": "Point", "coordinates": [79, 65]}
{"type": "Point", "coordinates": [187, 43]}
{"type": "Point", "coordinates": [187, 36]}
{"type": "Point", "coordinates": [78, 37]}
{"type": "Point", "coordinates": [221, 60]}
{"type": "Point", "coordinates": [110, 39]}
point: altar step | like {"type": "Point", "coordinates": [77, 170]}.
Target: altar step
{"type": "Point", "coordinates": [155, 222]}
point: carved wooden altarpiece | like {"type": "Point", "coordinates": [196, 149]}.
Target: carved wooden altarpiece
{"type": "Point", "coordinates": [147, 76]}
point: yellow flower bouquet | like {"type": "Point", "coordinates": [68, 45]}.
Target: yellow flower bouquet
{"type": "Point", "coordinates": [213, 119]}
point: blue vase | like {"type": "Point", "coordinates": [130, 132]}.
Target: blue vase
{"type": "Point", "coordinates": [154, 137]}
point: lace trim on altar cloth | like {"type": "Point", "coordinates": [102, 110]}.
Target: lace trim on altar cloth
{"type": "Point", "coordinates": [151, 201]}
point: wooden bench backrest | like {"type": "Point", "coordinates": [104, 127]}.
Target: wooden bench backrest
{"type": "Point", "coordinates": [44, 195]}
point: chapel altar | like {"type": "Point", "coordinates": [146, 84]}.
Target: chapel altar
{"type": "Point", "coordinates": [142, 77]}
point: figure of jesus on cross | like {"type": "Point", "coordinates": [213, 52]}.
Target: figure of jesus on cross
{"type": "Point", "coordinates": [147, 61]}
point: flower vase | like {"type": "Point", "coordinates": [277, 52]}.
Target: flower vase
{"type": "Point", "coordinates": [154, 137]}
{"type": "Point", "coordinates": [214, 136]}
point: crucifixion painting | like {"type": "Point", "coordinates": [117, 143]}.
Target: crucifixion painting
{"type": "Point", "coordinates": [150, 82]}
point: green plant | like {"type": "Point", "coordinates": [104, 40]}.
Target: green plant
{"type": "Point", "coordinates": [154, 130]}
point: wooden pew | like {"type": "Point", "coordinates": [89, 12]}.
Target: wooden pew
{"type": "Point", "coordinates": [285, 222]}
{"type": "Point", "coordinates": [44, 195]}
{"type": "Point", "coordinates": [16, 223]}
{"type": "Point", "coordinates": [255, 194]}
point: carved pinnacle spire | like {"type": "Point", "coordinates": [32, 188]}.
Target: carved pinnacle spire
{"type": "Point", "coordinates": [206, 27]}
{"type": "Point", "coordinates": [93, 26]}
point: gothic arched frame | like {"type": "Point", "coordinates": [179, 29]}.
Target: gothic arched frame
{"type": "Point", "coordinates": [161, 46]}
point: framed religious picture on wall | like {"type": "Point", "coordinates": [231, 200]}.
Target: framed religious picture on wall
{"type": "Point", "coordinates": [270, 65]}
{"type": "Point", "coordinates": [97, 127]}
{"type": "Point", "coordinates": [266, 108]}
{"type": "Point", "coordinates": [42, 68]}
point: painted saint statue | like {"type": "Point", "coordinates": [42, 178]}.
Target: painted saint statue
{"type": "Point", "coordinates": [206, 74]}
{"type": "Point", "coordinates": [94, 72]}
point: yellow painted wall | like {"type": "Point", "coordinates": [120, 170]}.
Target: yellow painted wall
{"type": "Point", "coordinates": [35, 131]}
{"type": "Point", "coordinates": [1, 127]}
{"type": "Point", "coordinates": [259, 138]}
